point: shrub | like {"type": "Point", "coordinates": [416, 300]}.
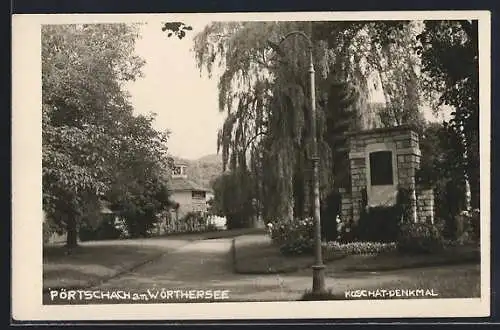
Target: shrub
{"type": "Point", "coordinates": [217, 222]}
{"type": "Point", "coordinates": [140, 223]}
{"type": "Point", "coordinates": [379, 224]}
{"type": "Point", "coordinates": [47, 232]}
{"type": "Point", "coordinates": [121, 226]}
{"type": "Point", "coordinates": [403, 205]}
{"type": "Point", "coordinates": [295, 237]}
{"type": "Point", "coordinates": [195, 221]}
{"type": "Point", "coordinates": [211, 227]}
{"type": "Point", "coordinates": [233, 198]}
{"type": "Point", "coordinates": [330, 211]}
{"type": "Point", "coordinates": [468, 226]}
{"type": "Point", "coordinates": [346, 232]}
{"type": "Point", "coordinates": [299, 246]}
{"type": "Point", "coordinates": [107, 229]}
{"type": "Point", "coordinates": [238, 220]}
{"type": "Point", "coordinates": [440, 224]}
{"type": "Point", "coordinates": [419, 238]}
{"type": "Point", "coordinates": [449, 200]}
{"type": "Point", "coordinates": [353, 248]}
{"type": "Point", "coordinates": [475, 223]}
{"type": "Point", "coordinates": [156, 230]}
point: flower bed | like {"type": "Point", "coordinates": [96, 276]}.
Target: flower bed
{"type": "Point", "coordinates": [356, 248]}
{"type": "Point", "coordinates": [297, 238]}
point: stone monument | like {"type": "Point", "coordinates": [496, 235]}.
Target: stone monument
{"type": "Point", "coordinates": [382, 160]}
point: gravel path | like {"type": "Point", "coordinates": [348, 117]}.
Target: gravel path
{"type": "Point", "coordinates": [207, 265]}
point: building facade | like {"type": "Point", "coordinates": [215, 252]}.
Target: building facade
{"type": "Point", "coordinates": [187, 194]}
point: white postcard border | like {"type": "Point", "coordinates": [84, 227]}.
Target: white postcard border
{"type": "Point", "coordinates": [26, 189]}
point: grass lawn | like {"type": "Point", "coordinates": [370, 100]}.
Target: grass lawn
{"type": "Point", "coordinates": [395, 260]}
{"type": "Point", "coordinates": [458, 281]}
{"type": "Point", "coordinates": [96, 261]}
{"type": "Point", "coordinates": [263, 258]}
{"type": "Point", "coordinates": [90, 264]}
{"type": "Point", "coordinates": [464, 283]}
{"type": "Point", "coordinates": [213, 234]}
{"type": "Point", "coordinates": [454, 273]}
{"type": "Point", "coordinates": [255, 254]}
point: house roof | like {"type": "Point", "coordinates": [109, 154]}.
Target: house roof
{"type": "Point", "coordinates": [183, 184]}
{"type": "Point", "coordinates": [106, 207]}
{"type": "Point", "coordinates": [179, 161]}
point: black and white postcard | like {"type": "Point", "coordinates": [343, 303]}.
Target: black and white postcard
{"type": "Point", "coordinates": [251, 166]}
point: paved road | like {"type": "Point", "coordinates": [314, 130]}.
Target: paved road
{"type": "Point", "coordinates": [207, 265]}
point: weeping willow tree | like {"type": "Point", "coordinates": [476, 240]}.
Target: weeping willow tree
{"type": "Point", "coordinates": [264, 91]}
{"type": "Point", "coordinates": [400, 88]}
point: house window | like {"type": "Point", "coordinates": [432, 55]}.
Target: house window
{"type": "Point", "coordinates": [198, 194]}
{"type": "Point", "coordinates": [177, 170]}
{"type": "Point", "coordinates": [381, 168]}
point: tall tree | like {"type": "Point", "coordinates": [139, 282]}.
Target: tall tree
{"type": "Point", "coordinates": [450, 59]}
{"type": "Point", "coordinates": [139, 187]}
{"type": "Point", "coordinates": [398, 66]}
{"type": "Point", "coordinates": [88, 121]}
{"type": "Point", "coordinates": [264, 91]}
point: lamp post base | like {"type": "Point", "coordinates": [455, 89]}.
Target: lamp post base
{"type": "Point", "coordinates": [318, 279]}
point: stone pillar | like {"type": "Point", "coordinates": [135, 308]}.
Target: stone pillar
{"type": "Point", "coordinates": [358, 175]}
{"type": "Point", "coordinates": [346, 206]}
{"type": "Point", "coordinates": [408, 161]}
{"type": "Point", "coordinates": [425, 204]}
{"type": "Point", "coordinates": [357, 166]}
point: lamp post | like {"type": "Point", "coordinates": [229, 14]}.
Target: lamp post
{"type": "Point", "coordinates": [318, 267]}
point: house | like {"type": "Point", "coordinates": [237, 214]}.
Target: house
{"type": "Point", "coordinates": [187, 194]}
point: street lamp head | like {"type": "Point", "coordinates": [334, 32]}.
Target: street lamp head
{"type": "Point", "coordinates": [276, 47]}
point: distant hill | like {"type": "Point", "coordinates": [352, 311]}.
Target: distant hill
{"type": "Point", "coordinates": [211, 159]}
{"type": "Point", "coordinates": [203, 170]}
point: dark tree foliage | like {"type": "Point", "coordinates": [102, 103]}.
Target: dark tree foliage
{"type": "Point", "coordinates": [264, 90]}
{"type": "Point", "coordinates": [450, 58]}
{"type": "Point", "coordinates": [176, 28]}
{"type": "Point", "coordinates": [441, 167]}
{"type": "Point", "coordinates": [94, 148]}
{"type": "Point", "coordinates": [233, 199]}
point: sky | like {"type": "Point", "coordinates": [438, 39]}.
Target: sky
{"type": "Point", "coordinates": [185, 103]}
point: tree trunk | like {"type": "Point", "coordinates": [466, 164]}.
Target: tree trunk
{"type": "Point", "coordinates": [475, 192]}
{"type": "Point", "coordinates": [307, 194]}
{"type": "Point", "coordinates": [474, 181]}
{"type": "Point", "coordinates": [290, 201]}
{"type": "Point", "coordinates": [71, 232]}
{"type": "Point", "coordinates": [290, 210]}
{"type": "Point", "coordinates": [473, 169]}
